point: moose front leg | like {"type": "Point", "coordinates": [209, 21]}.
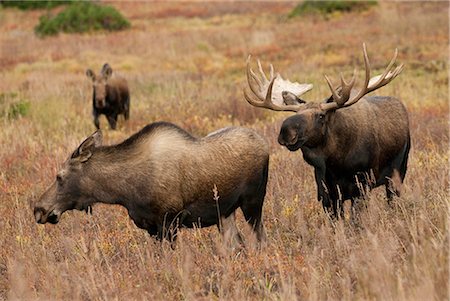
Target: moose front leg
{"type": "Point", "coordinates": [112, 119]}
{"type": "Point", "coordinates": [126, 109]}
{"type": "Point", "coordinates": [168, 233]}
{"type": "Point", "coordinates": [96, 121]}
{"type": "Point", "coordinates": [163, 233]}
{"type": "Point", "coordinates": [322, 190]}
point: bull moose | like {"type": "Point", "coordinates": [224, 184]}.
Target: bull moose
{"type": "Point", "coordinates": [111, 96]}
{"type": "Point", "coordinates": [165, 177]}
{"type": "Point", "coordinates": [354, 142]}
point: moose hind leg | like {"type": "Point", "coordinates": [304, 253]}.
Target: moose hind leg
{"type": "Point", "coordinates": [168, 233]}
{"type": "Point", "coordinates": [252, 204]}
{"type": "Point", "coordinates": [393, 185]}
{"type": "Point", "coordinates": [230, 231]}
{"type": "Point", "coordinates": [253, 215]}
{"type": "Point", "coordinates": [396, 174]}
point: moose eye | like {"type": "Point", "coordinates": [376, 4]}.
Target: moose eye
{"type": "Point", "coordinates": [321, 116]}
{"type": "Point", "coordinates": [59, 179]}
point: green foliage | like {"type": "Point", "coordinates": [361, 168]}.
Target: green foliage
{"type": "Point", "coordinates": [13, 107]}
{"type": "Point", "coordinates": [82, 17]}
{"type": "Point", "coordinates": [28, 5]}
{"type": "Point", "coordinates": [17, 109]}
{"type": "Point", "coordinates": [329, 7]}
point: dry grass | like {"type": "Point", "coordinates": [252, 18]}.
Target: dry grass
{"type": "Point", "coordinates": [185, 64]}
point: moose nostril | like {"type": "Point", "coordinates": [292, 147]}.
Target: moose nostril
{"type": "Point", "coordinates": [293, 139]}
{"type": "Point", "coordinates": [38, 214]}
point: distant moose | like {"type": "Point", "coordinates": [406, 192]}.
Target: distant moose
{"type": "Point", "coordinates": [166, 178]}
{"type": "Point", "coordinates": [111, 96]}
{"type": "Point", "coordinates": [354, 142]}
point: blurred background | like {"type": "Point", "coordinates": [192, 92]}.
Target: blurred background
{"type": "Point", "coordinates": [185, 63]}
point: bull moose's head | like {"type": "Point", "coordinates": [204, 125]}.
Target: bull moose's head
{"type": "Point", "coordinates": [100, 84]}
{"type": "Point", "coordinates": [308, 126]}
{"type": "Point", "coordinates": [66, 192]}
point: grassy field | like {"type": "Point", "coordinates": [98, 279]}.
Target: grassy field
{"type": "Point", "coordinates": [185, 63]}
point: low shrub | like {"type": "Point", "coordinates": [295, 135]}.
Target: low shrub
{"type": "Point", "coordinates": [12, 106]}
{"type": "Point", "coordinates": [82, 17]}
{"type": "Point", "coordinates": [29, 5]}
{"type": "Point", "coordinates": [19, 109]}
{"type": "Point", "coordinates": [329, 7]}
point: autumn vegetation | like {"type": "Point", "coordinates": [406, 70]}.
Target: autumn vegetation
{"type": "Point", "coordinates": [185, 63]}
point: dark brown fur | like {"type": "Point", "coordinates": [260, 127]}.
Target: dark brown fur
{"type": "Point", "coordinates": [111, 96]}
{"type": "Point", "coordinates": [165, 177]}
{"type": "Point", "coordinates": [361, 146]}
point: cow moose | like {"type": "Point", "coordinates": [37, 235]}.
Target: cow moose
{"type": "Point", "coordinates": [354, 142]}
{"type": "Point", "coordinates": [111, 96]}
{"type": "Point", "coordinates": [166, 178]}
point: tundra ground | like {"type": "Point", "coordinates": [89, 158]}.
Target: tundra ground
{"type": "Point", "coordinates": [185, 63]}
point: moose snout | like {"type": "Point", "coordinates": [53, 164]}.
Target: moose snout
{"type": "Point", "coordinates": [100, 103]}
{"type": "Point", "coordinates": [43, 216]}
{"type": "Point", "coordinates": [287, 137]}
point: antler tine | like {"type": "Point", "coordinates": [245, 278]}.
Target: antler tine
{"type": "Point", "coordinates": [398, 70]}
{"type": "Point", "coordinates": [346, 88]}
{"type": "Point", "coordinates": [262, 72]}
{"type": "Point", "coordinates": [364, 90]}
{"type": "Point", "coordinates": [262, 89]}
{"type": "Point", "coordinates": [251, 100]}
{"type": "Point", "coordinates": [271, 71]}
{"type": "Point", "coordinates": [387, 75]}
{"type": "Point", "coordinates": [255, 78]}
{"type": "Point", "coordinates": [252, 75]}
{"type": "Point", "coordinates": [344, 100]}
{"type": "Point", "coordinates": [336, 97]}
{"type": "Point", "coordinates": [267, 101]}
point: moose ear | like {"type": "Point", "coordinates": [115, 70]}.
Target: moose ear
{"type": "Point", "coordinates": [84, 151]}
{"type": "Point", "coordinates": [90, 74]}
{"type": "Point", "coordinates": [106, 71]}
{"type": "Point", "coordinates": [290, 98]}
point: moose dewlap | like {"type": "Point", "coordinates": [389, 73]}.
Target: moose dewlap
{"type": "Point", "coordinates": [166, 178]}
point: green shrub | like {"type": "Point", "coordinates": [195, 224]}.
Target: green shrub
{"type": "Point", "coordinates": [27, 5]}
{"type": "Point", "coordinates": [12, 107]}
{"type": "Point", "coordinates": [82, 17]}
{"type": "Point", "coordinates": [18, 109]}
{"type": "Point", "coordinates": [328, 7]}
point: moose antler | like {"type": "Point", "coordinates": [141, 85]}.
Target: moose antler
{"type": "Point", "coordinates": [269, 91]}
{"type": "Point", "coordinates": [342, 96]}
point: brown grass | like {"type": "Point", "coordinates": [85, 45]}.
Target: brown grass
{"type": "Point", "coordinates": [185, 64]}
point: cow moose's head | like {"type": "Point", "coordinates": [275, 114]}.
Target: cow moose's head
{"type": "Point", "coordinates": [66, 192]}
{"type": "Point", "coordinates": [100, 84]}
{"type": "Point", "coordinates": [308, 126]}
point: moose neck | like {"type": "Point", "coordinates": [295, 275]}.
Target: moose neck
{"type": "Point", "coordinates": [341, 132]}
{"type": "Point", "coordinates": [111, 177]}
